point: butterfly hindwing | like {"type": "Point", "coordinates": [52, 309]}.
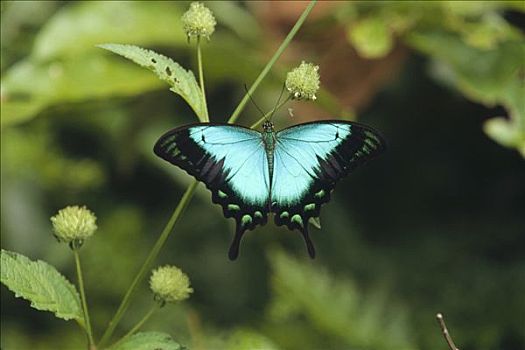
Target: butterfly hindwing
{"type": "Point", "coordinates": [231, 161]}
{"type": "Point", "coordinates": [309, 159]}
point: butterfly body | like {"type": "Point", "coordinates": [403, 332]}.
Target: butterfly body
{"type": "Point", "coordinates": [289, 173]}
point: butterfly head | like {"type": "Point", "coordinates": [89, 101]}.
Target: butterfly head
{"type": "Point", "coordinates": [268, 126]}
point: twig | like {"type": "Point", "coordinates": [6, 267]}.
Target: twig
{"type": "Point", "coordinates": [445, 332]}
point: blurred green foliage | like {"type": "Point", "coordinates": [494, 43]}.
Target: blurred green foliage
{"type": "Point", "coordinates": [472, 47]}
{"type": "Point", "coordinates": [435, 225]}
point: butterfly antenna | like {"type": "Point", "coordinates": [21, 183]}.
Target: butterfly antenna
{"type": "Point", "coordinates": [277, 104]}
{"type": "Point", "coordinates": [253, 101]}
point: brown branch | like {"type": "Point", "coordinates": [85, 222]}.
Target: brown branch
{"type": "Point", "coordinates": [445, 332]}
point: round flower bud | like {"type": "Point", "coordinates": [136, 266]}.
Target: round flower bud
{"type": "Point", "coordinates": [74, 224]}
{"type": "Point", "coordinates": [170, 284]}
{"type": "Point", "coordinates": [303, 81]}
{"type": "Point", "coordinates": [198, 21]}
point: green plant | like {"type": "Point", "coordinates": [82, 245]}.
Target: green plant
{"type": "Point", "coordinates": [45, 287]}
{"type": "Point", "coordinates": [472, 47]}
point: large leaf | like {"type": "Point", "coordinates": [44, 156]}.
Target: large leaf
{"type": "Point", "coordinates": [149, 341]}
{"type": "Point", "coordinates": [182, 81]}
{"type": "Point", "coordinates": [28, 87]}
{"type": "Point", "coordinates": [79, 26]}
{"type": "Point", "coordinates": [41, 284]}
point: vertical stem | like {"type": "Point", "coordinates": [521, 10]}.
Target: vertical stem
{"type": "Point", "coordinates": [146, 317]}
{"type": "Point", "coordinates": [269, 65]}
{"type": "Point", "coordinates": [201, 79]}
{"type": "Point", "coordinates": [149, 261]}
{"type": "Point", "coordinates": [83, 299]}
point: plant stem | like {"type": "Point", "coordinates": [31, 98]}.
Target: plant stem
{"type": "Point", "coordinates": [149, 261]}
{"type": "Point", "coordinates": [201, 79]}
{"type": "Point", "coordinates": [264, 117]}
{"type": "Point", "coordinates": [445, 332]}
{"type": "Point", "coordinates": [269, 65]}
{"type": "Point", "coordinates": [146, 317]}
{"type": "Point", "coordinates": [87, 322]}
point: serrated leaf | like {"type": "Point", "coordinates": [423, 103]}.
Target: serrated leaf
{"type": "Point", "coordinates": [148, 341]}
{"type": "Point", "coordinates": [41, 284]}
{"type": "Point", "coordinates": [182, 81]}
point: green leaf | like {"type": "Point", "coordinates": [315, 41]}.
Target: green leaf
{"type": "Point", "coordinates": [149, 341]}
{"type": "Point", "coordinates": [28, 87]}
{"type": "Point", "coordinates": [334, 308]}
{"type": "Point", "coordinates": [492, 77]}
{"type": "Point", "coordinates": [78, 27]}
{"type": "Point", "coordinates": [371, 37]}
{"type": "Point", "coordinates": [182, 81]}
{"type": "Point", "coordinates": [243, 339]}
{"type": "Point", "coordinates": [506, 132]}
{"type": "Point", "coordinates": [41, 284]}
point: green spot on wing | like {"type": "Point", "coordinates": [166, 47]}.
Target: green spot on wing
{"type": "Point", "coordinates": [297, 219]}
{"type": "Point", "coordinates": [258, 214]}
{"type": "Point", "coordinates": [309, 207]}
{"type": "Point", "coordinates": [372, 136]}
{"type": "Point", "coordinates": [233, 207]}
{"type": "Point", "coordinates": [316, 222]}
{"type": "Point", "coordinates": [284, 214]}
{"type": "Point", "coordinates": [320, 194]}
{"type": "Point", "coordinates": [246, 219]}
{"type": "Point", "coordinates": [222, 194]}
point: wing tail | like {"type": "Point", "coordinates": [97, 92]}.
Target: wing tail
{"type": "Point", "coordinates": [233, 253]}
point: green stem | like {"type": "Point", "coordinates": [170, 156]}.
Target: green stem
{"type": "Point", "coordinates": [269, 65]}
{"type": "Point", "coordinates": [146, 317]}
{"type": "Point", "coordinates": [201, 79]}
{"type": "Point", "coordinates": [83, 299]}
{"type": "Point", "coordinates": [264, 117]}
{"type": "Point", "coordinates": [149, 261]}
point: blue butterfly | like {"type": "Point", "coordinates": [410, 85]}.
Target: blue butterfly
{"type": "Point", "coordinates": [290, 173]}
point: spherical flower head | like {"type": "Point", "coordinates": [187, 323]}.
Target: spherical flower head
{"type": "Point", "coordinates": [198, 21]}
{"type": "Point", "coordinates": [303, 81]}
{"type": "Point", "coordinates": [170, 284]}
{"type": "Point", "coordinates": [74, 223]}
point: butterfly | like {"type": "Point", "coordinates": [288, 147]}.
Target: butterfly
{"type": "Point", "coordinates": [290, 173]}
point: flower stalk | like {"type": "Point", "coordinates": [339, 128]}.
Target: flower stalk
{"type": "Point", "coordinates": [87, 321]}
{"type": "Point", "coordinates": [272, 61]}
{"type": "Point", "coordinates": [201, 79]}
{"type": "Point", "coordinates": [149, 261]}
{"type": "Point", "coordinates": [139, 324]}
